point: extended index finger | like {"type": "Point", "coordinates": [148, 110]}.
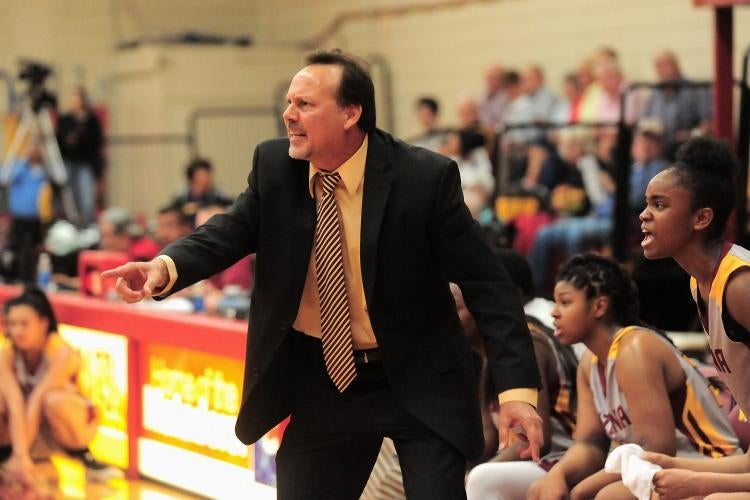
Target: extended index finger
{"type": "Point", "coordinates": [117, 272]}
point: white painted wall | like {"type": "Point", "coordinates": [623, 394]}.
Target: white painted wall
{"type": "Point", "coordinates": [440, 51]}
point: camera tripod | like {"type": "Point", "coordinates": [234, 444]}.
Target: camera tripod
{"type": "Point", "coordinates": [36, 114]}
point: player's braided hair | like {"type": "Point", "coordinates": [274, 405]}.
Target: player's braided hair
{"type": "Point", "coordinates": [597, 275]}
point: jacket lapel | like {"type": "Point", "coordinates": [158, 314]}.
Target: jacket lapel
{"type": "Point", "coordinates": [302, 219]}
{"type": "Point", "coordinates": [377, 185]}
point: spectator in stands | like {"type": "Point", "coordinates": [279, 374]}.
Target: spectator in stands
{"type": "Point", "coordinates": [115, 230]}
{"type": "Point", "coordinates": [508, 475]}
{"type": "Point", "coordinates": [611, 80]}
{"type": "Point", "coordinates": [592, 92]}
{"type": "Point", "coordinates": [685, 218]}
{"type": "Point", "coordinates": [200, 191]}
{"type": "Point", "coordinates": [683, 110]}
{"type": "Point", "coordinates": [40, 401]}
{"type": "Point", "coordinates": [79, 135]}
{"type": "Point", "coordinates": [474, 133]}
{"type": "Point", "coordinates": [560, 185]}
{"type": "Point", "coordinates": [432, 136]}
{"type": "Point", "coordinates": [543, 100]}
{"type": "Point", "coordinates": [631, 385]}
{"type": "Point", "coordinates": [172, 224]}
{"type": "Point", "coordinates": [573, 235]}
{"type": "Point", "coordinates": [119, 233]}
{"type": "Point", "coordinates": [466, 148]}
{"type": "Point", "coordinates": [565, 112]}
{"type": "Point", "coordinates": [584, 76]}
{"type": "Point", "coordinates": [30, 208]}
{"type": "Point", "coordinates": [495, 99]}
{"type": "Point", "coordinates": [536, 104]}
{"type": "Point", "coordinates": [567, 109]}
{"type": "Point", "coordinates": [518, 134]}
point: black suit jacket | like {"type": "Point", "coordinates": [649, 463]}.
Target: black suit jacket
{"type": "Point", "coordinates": [417, 236]}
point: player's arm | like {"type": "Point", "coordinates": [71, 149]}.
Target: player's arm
{"type": "Point", "coordinates": [63, 363]}
{"type": "Point", "coordinates": [643, 364]}
{"type": "Point", "coordinates": [19, 465]}
{"type": "Point", "coordinates": [589, 451]}
{"type": "Point", "coordinates": [647, 396]}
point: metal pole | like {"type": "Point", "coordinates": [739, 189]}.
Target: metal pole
{"type": "Point", "coordinates": [743, 153]}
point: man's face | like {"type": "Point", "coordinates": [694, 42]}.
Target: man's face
{"type": "Point", "coordinates": [467, 113]}
{"type": "Point", "coordinates": [531, 80]}
{"type": "Point", "coordinates": [493, 79]}
{"type": "Point", "coordinates": [111, 240]}
{"type": "Point", "coordinates": [201, 181]}
{"type": "Point", "coordinates": [317, 126]}
{"type": "Point", "coordinates": [644, 148]}
{"type": "Point", "coordinates": [170, 228]}
{"type": "Point", "coordinates": [666, 68]}
{"type": "Point", "coordinates": [426, 117]}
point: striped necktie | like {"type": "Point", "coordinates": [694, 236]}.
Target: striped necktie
{"type": "Point", "coordinates": [335, 321]}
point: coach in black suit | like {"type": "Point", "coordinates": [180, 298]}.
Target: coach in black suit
{"type": "Point", "coordinates": [405, 233]}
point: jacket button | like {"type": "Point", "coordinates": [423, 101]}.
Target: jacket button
{"type": "Point", "coordinates": [254, 370]}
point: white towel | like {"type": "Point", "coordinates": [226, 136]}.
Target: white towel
{"type": "Point", "coordinates": [637, 474]}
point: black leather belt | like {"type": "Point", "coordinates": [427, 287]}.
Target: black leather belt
{"type": "Point", "coordinates": [367, 356]}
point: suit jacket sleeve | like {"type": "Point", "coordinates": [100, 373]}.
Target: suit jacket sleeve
{"type": "Point", "coordinates": [488, 291]}
{"type": "Point", "coordinates": [223, 239]}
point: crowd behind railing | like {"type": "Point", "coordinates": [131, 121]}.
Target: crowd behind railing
{"type": "Point", "coordinates": [537, 171]}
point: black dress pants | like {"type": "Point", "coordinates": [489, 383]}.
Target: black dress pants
{"type": "Point", "coordinates": [332, 440]}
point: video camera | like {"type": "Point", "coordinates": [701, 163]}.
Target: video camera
{"type": "Point", "coordinates": [36, 74]}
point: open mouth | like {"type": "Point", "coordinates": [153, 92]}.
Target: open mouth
{"type": "Point", "coordinates": [647, 238]}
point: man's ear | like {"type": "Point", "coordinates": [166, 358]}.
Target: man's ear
{"type": "Point", "coordinates": [352, 112]}
{"type": "Point", "coordinates": [702, 218]}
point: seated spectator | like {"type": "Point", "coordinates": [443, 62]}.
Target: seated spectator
{"type": "Point", "coordinates": [632, 385]}
{"type": "Point", "coordinates": [611, 81]}
{"type": "Point", "coordinates": [682, 110]}
{"type": "Point", "coordinates": [41, 404]}
{"type": "Point", "coordinates": [565, 113]}
{"type": "Point", "coordinates": [30, 207]}
{"type": "Point", "coordinates": [200, 191]}
{"type": "Point", "coordinates": [508, 475]}
{"type": "Point", "coordinates": [172, 224]}
{"type": "Point", "coordinates": [561, 184]}
{"type": "Point", "coordinates": [239, 276]}
{"type": "Point", "coordinates": [567, 109]}
{"type": "Point", "coordinates": [573, 235]}
{"type": "Point", "coordinates": [563, 170]}
{"type": "Point", "coordinates": [432, 136]}
{"type": "Point", "coordinates": [493, 103]}
{"type": "Point", "coordinates": [592, 90]}
{"type": "Point", "coordinates": [531, 103]}
{"type": "Point", "coordinates": [543, 101]}
{"type": "Point", "coordinates": [119, 233]}
{"type": "Point", "coordinates": [475, 134]}
{"type": "Point", "coordinates": [466, 149]}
